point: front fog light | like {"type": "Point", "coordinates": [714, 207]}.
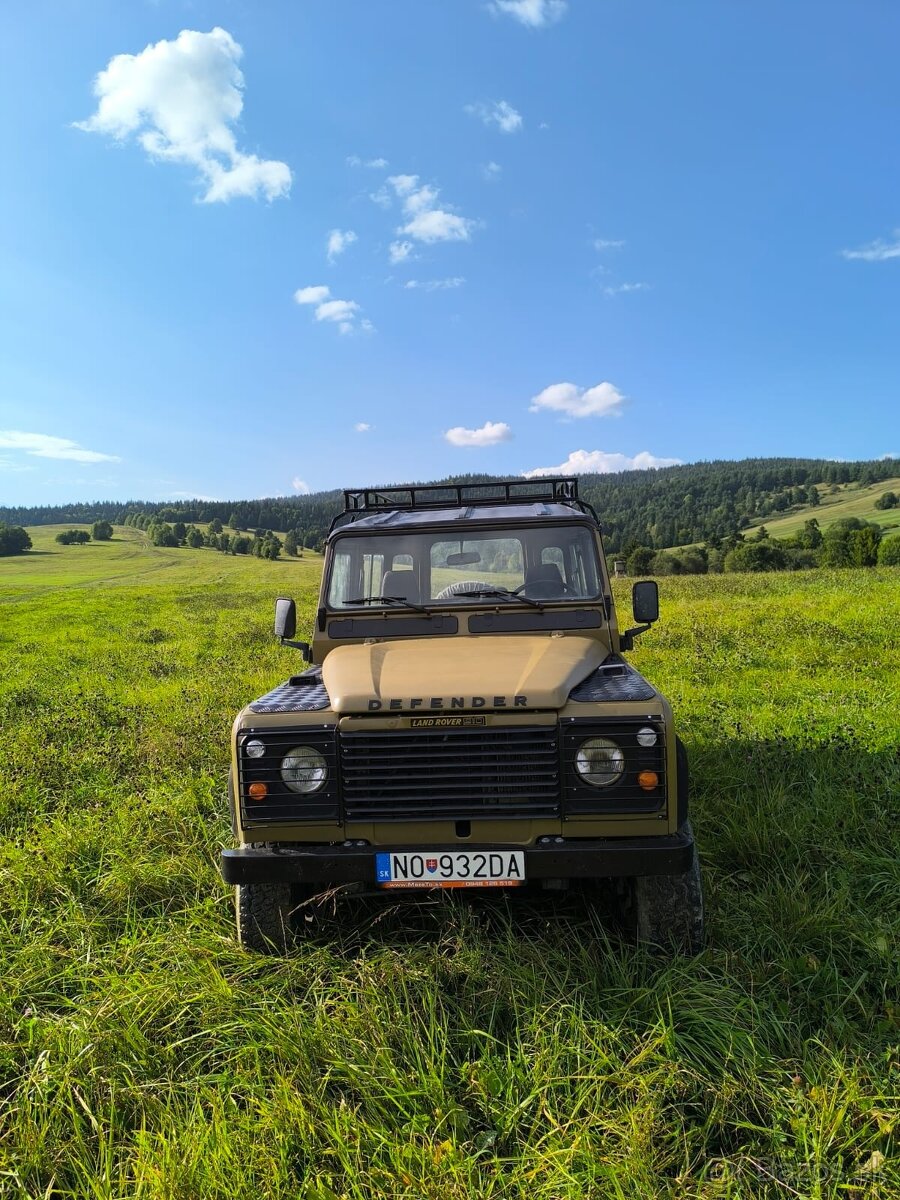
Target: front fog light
{"type": "Point", "coordinates": [600, 762]}
{"type": "Point", "coordinates": [646, 736]}
{"type": "Point", "coordinates": [303, 769]}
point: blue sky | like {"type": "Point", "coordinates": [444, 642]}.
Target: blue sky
{"type": "Point", "coordinates": [643, 232]}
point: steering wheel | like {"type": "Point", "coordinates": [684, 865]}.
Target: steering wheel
{"type": "Point", "coordinates": [463, 587]}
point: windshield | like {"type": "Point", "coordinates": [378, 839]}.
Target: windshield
{"type": "Point", "coordinates": [554, 563]}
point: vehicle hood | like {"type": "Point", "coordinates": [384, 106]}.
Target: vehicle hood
{"type": "Point", "coordinates": [459, 673]}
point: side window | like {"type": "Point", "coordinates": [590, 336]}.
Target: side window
{"type": "Point", "coordinates": [584, 581]}
{"type": "Point", "coordinates": [577, 581]}
{"type": "Point", "coordinates": [340, 580]}
{"type": "Point", "coordinates": [373, 570]}
{"type": "Point", "coordinates": [402, 562]}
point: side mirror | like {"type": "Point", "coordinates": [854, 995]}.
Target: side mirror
{"type": "Point", "coordinates": [286, 618]}
{"type": "Point", "coordinates": [286, 625]}
{"type": "Point", "coordinates": [645, 601]}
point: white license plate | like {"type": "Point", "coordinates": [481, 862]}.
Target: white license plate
{"type": "Point", "coordinates": [450, 868]}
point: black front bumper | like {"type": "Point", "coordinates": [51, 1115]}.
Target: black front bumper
{"type": "Point", "coordinates": [576, 859]}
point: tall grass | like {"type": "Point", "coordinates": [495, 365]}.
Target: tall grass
{"type": "Point", "coordinates": [458, 1049]}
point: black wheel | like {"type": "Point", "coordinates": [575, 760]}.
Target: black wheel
{"type": "Point", "coordinates": [666, 911]}
{"type": "Point", "coordinates": [264, 916]}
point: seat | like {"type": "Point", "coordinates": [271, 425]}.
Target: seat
{"type": "Point", "coordinates": [544, 582]}
{"type": "Point", "coordinates": [401, 585]}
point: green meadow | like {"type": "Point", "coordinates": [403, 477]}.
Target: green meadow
{"type": "Point", "coordinates": [496, 1048]}
{"type": "Point", "coordinates": [850, 500]}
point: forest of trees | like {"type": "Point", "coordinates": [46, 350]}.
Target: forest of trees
{"type": "Point", "coordinates": [674, 506]}
{"type": "Point", "coordinates": [848, 542]}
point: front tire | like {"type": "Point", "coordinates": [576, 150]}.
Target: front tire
{"type": "Point", "coordinates": [666, 911]}
{"type": "Point", "coordinates": [264, 916]}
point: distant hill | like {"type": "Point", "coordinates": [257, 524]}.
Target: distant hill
{"type": "Point", "coordinates": [673, 506]}
{"type": "Point", "coordinates": [847, 500]}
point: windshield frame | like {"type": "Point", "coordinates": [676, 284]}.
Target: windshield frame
{"type": "Point", "coordinates": [462, 532]}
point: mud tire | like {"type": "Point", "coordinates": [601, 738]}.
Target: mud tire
{"type": "Point", "coordinates": [666, 911]}
{"type": "Point", "coordinates": [264, 913]}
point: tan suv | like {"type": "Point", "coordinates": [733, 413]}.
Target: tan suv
{"type": "Point", "coordinates": [467, 721]}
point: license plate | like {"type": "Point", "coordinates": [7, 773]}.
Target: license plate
{"type": "Point", "coordinates": [450, 868]}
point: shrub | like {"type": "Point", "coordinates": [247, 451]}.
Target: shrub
{"type": "Point", "coordinates": [756, 556]}
{"type": "Point", "coordinates": [13, 539]}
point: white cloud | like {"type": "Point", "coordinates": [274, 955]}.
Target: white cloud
{"type": "Point", "coordinates": [622, 289]}
{"type": "Point", "coordinates": [42, 445]}
{"type": "Point", "coordinates": [599, 462]}
{"type": "Point", "coordinates": [435, 285]}
{"type": "Point", "coordinates": [878, 251]}
{"type": "Point", "coordinates": [602, 244]}
{"type": "Point", "coordinates": [490, 433]}
{"type": "Point", "coordinates": [426, 223]}
{"type": "Point", "coordinates": [378, 164]}
{"type": "Point", "coordinates": [500, 113]}
{"type": "Point", "coordinates": [437, 225]}
{"type": "Point", "coordinates": [399, 251]}
{"type": "Point", "coordinates": [300, 485]}
{"type": "Point", "coordinates": [362, 427]}
{"type": "Point", "coordinates": [491, 171]}
{"type": "Point", "coordinates": [602, 400]}
{"type": "Point", "coordinates": [180, 99]}
{"type": "Point", "coordinates": [403, 184]}
{"type": "Point", "coordinates": [343, 313]}
{"type": "Point", "coordinates": [312, 295]}
{"type": "Point", "coordinates": [194, 496]}
{"type": "Point", "coordinates": [533, 13]}
{"type": "Point", "coordinates": [338, 241]}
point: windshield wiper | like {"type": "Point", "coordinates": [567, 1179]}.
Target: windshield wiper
{"type": "Point", "coordinates": [508, 595]}
{"type": "Point", "coordinates": [386, 600]}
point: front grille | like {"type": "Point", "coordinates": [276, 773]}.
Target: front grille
{"type": "Point", "coordinates": [626, 795]}
{"type": "Point", "coordinates": [281, 804]}
{"type": "Point", "coordinates": [450, 774]}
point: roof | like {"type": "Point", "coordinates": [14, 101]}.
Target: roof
{"type": "Point", "coordinates": [501, 514]}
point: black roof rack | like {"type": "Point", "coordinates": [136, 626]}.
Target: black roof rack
{"type": "Point", "coordinates": [561, 489]}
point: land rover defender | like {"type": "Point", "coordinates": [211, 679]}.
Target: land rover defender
{"type": "Point", "coordinates": [466, 720]}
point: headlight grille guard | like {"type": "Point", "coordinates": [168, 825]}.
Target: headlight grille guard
{"type": "Point", "coordinates": [626, 795]}
{"type": "Point", "coordinates": [282, 805]}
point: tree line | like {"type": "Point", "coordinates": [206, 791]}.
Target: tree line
{"type": "Point", "coordinates": [848, 542]}
{"type": "Point", "coordinates": [262, 543]}
{"type": "Point", "coordinates": [673, 506]}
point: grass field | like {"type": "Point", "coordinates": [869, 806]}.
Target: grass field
{"type": "Point", "coordinates": [460, 1050]}
{"type": "Point", "coordinates": [849, 501]}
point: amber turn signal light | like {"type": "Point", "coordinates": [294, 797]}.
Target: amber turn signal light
{"type": "Point", "coordinates": [259, 791]}
{"type": "Point", "coordinates": [648, 780]}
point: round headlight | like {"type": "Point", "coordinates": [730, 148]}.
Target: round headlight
{"type": "Point", "coordinates": [303, 769]}
{"type": "Point", "coordinates": [254, 749]}
{"type": "Point", "coordinates": [600, 762]}
{"type": "Point", "coordinates": [646, 736]}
